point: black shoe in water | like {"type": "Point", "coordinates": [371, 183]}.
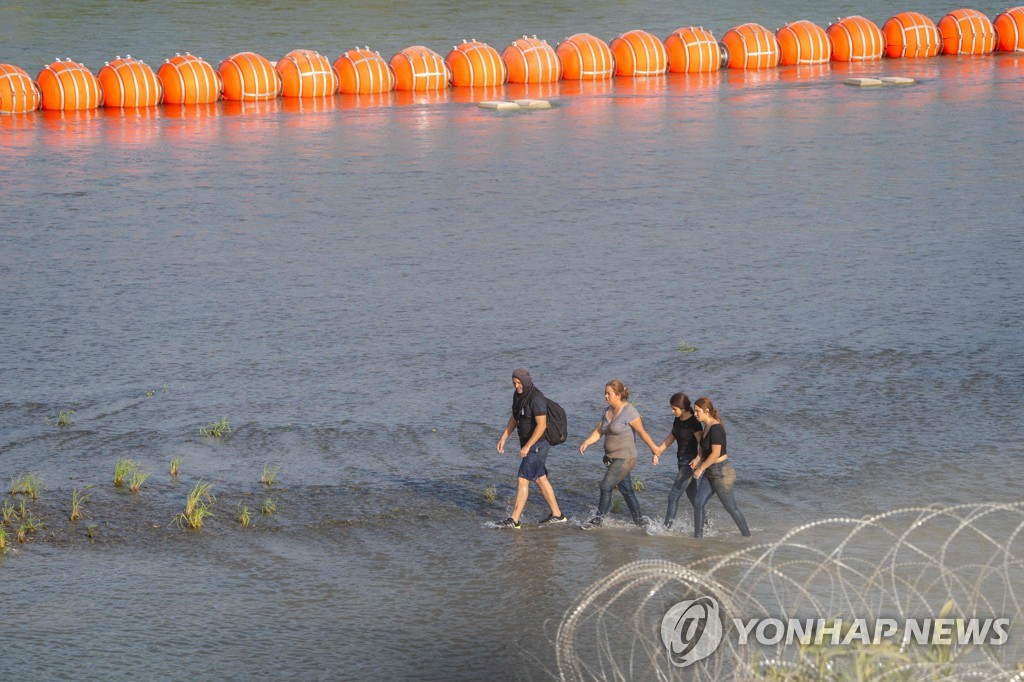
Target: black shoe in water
{"type": "Point", "coordinates": [551, 518]}
{"type": "Point", "coordinates": [509, 523]}
{"type": "Point", "coordinates": [596, 521]}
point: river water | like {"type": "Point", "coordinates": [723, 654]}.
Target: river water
{"type": "Point", "coordinates": [350, 284]}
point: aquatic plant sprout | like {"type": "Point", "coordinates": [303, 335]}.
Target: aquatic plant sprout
{"type": "Point", "coordinates": [269, 476]}
{"type": "Point", "coordinates": [215, 429]}
{"type": "Point", "coordinates": [122, 470]}
{"type": "Point", "coordinates": [960, 562]}
{"type": "Point", "coordinates": [27, 484]}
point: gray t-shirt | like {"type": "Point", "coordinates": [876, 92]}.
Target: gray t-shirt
{"type": "Point", "coordinates": [619, 438]}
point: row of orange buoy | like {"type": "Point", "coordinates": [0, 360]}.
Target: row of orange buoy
{"type": "Point", "coordinates": [247, 76]}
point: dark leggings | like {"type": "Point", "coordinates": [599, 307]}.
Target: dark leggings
{"type": "Point", "coordinates": [699, 492]}
{"type": "Point", "coordinates": [722, 477]}
{"type": "Point", "coordinates": [617, 476]}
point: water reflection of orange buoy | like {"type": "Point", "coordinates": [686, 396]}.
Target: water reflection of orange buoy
{"type": "Point", "coordinates": [967, 31]}
{"type": "Point", "coordinates": [19, 94]}
{"type": "Point", "coordinates": [856, 39]}
{"type": "Point", "coordinates": [128, 82]}
{"type": "Point", "coordinates": [68, 86]}
{"type": "Point", "coordinates": [249, 77]}
{"type": "Point", "coordinates": [803, 42]}
{"type": "Point", "coordinates": [418, 68]}
{"type": "Point", "coordinates": [305, 73]}
{"type": "Point", "coordinates": [639, 53]}
{"type": "Point", "coordinates": [363, 72]}
{"type": "Point", "coordinates": [476, 65]}
{"type": "Point", "coordinates": [188, 79]}
{"type": "Point", "coordinates": [693, 49]}
{"type": "Point", "coordinates": [585, 58]}
{"type": "Point", "coordinates": [1009, 27]}
{"type": "Point", "coordinates": [751, 46]}
{"type": "Point", "coordinates": [911, 34]}
{"type": "Point", "coordinates": [532, 60]}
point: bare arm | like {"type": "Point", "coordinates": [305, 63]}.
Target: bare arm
{"type": "Point", "coordinates": [638, 427]}
{"type": "Point", "coordinates": [594, 436]}
{"type": "Point", "coordinates": [669, 439]}
{"type": "Point", "coordinates": [506, 433]}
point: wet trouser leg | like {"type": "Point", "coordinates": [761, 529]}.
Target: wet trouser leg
{"type": "Point", "coordinates": [629, 495]}
{"type": "Point", "coordinates": [614, 475]}
{"type": "Point", "coordinates": [722, 477]}
{"type": "Point", "coordinates": [700, 493]}
{"type": "Point", "coordinates": [683, 478]}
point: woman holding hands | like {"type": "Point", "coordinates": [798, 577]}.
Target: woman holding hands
{"type": "Point", "coordinates": [686, 433]}
{"type": "Point", "coordinates": [620, 424]}
{"type": "Point", "coordinates": [714, 456]}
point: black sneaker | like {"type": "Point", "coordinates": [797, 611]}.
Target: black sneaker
{"type": "Point", "coordinates": [551, 518]}
{"type": "Point", "coordinates": [596, 521]}
{"type": "Point", "coordinates": [509, 523]}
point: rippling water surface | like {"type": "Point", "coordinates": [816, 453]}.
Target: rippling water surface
{"type": "Point", "coordinates": [350, 284]}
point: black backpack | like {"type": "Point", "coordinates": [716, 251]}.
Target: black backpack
{"type": "Point", "coordinates": [558, 426]}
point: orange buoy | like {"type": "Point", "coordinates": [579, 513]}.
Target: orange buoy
{"type": "Point", "coordinates": [476, 65]}
{"type": "Point", "coordinates": [305, 73]}
{"type": "Point", "coordinates": [692, 49]}
{"type": "Point", "coordinates": [69, 86]}
{"type": "Point", "coordinates": [639, 53]}
{"type": "Point", "coordinates": [967, 31]}
{"type": "Point", "coordinates": [803, 42]}
{"type": "Point", "coordinates": [911, 34]}
{"type": "Point", "coordinates": [128, 82]}
{"type": "Point", "coordinates": [249, 77]}
{"type": "Point", "coordinates": [19, 94]}
{"type": "Point", "coordinates": [421, 69]}
{"type": "Point", "coordinates": [188, 79]}
{"type": "Point", "coordinates": [363, 72]}
{"type": "Point", "coordinates": [1009, 27]}
{"type": "Point", "coordinates": [751, 46]}
{"type": "Point", "coordinates": [532, 60]}
{"type": "Point", "coordinates": [856, 39]}
{"type": "Point", "coordinates": [585, 58]}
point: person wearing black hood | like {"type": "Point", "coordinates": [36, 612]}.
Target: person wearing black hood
{"type": "Point", "coordinates": [530, 419]}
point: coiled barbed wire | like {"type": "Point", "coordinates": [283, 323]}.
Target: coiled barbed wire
{"type": "Point", "coordinates": [964, 561]}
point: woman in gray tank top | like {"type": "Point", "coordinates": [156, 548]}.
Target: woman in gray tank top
{"type": "Point", "coordinates": [620, 424]}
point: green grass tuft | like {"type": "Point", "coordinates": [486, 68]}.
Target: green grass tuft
{"type": "Point", "coordinates": [638, 484]}
{"type": "Point", "coordinates": [685, 347]}
{"type": "Point", "coordinates": [64, 418]}
{"type": "Point", "coordinates": [198, 506]}
{"type": "Point", "coordinates": [27, 484]}
{"type": "Point", "coordinates": [215, 429]}
{"type": "Point", "coordinates": [269, 476]}
{"type": "Point", "coordinates": [269, 506]}
{"type": "Point", "coordinates": [9, 511]}
{"type": "Point", "coordinates": [77, 501]}
{"type": "Point", "coordinates": [3, 540]}
{"type": "Point", "coordinates": [124, 468]}
{"type": "Point", "coordinates": [243, 515]}
{"type": "Point", "coordinates": [490, 494]}
{"type": "Point", "coordinates": [138, 478]}
{"type": "Point", "coordinates": [175, 466]}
